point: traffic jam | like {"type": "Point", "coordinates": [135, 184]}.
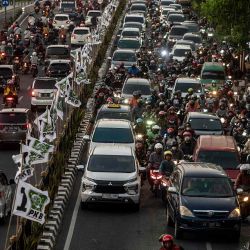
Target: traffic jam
{"type": "Point", "coordinates": [171, 116]}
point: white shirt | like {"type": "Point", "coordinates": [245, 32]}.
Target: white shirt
{"type": "Point", "coordinates": [34, 59]}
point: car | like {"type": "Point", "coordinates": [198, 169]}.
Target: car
{"type": "Point", "coordinates": [204, 123]}
{"type": "Point", "coordinates": [196, 38]}
{"type": "Point", "coordinates": [176, 6]}
{"type": "Point", "coordinates": [61, 19]}
{"type": "Point", "coordinates": [57, 52]}
{"type": "Point", "coordinates": [184, 83]}
{"type": "Point", "coordinates": [175, 18]}
{"type": "Point", "coordinates": [135, 84]}
{"type": "Point", "coordinates": [111, 175]}
{"type": "Point", "coordinates": [129, 43]}
{"type": "Point", "coordinates": [80, 36]}
{"type": "Point", "coordinates": [176, 33]}
{"type": "Point", "coordinates": [179, 52]}
{"type": "Point", "coordinates": [187, 42]}
{"type": "Point", "coordinates": [131, 33]}
{"type": "Point", "coordinates": [200, 198]}
{"type": "Point", "coordinates": [138, 18]}
{"type": "Point", "coordinates": [42, 91]}
{"type": "Point", "coordinates": [7, 73]}
{"type": "Point", "coordinates": [90, 14]}
{"type": "Point", "coordinates": [68, 7]}
{"type": "Point", "coordinates": [111, 131]}
{"type": "Point", "coordinates": [165, 11]}
{"type": "Point", "coordinates": [192, 26]}
{"type": "Point", "coordinates": [133, 25]}
{"type": "Point", "coordinates": [59, 68]}
{"type": "Point", "coordinates": [128, 57]}
{"type": "Point", "coordinates": [166, 3]}
{"type": "Point", "coordinates": [138, 8]}
{"type": "Point", "coordinates": [220, 150]}
{"type": "Point", "coordinates": [6, 196]}
{"type": "Point", "coordinates": [14, 123]}
{"type": "Point", "coordinates": [114, 111]}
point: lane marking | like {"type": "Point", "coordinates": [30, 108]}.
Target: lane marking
{"type": "Point", "coordinates": [209, 246]}
{"type": "Point", "coordinates": [73, 221]}
{"type": "Point", "coordinates": [20, 98]}
{"type": "Point", "coordinates": [29, 88]}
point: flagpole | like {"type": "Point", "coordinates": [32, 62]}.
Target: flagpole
{"type": "Point", "coordinates": [13, 204]}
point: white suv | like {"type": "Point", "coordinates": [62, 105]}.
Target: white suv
{"type": "Point", "coordinates": [111, 175]}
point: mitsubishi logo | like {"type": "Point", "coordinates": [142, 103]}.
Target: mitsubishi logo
{"type": "Point", "coordinates": [110, 184]}
{"type": "Point", "coordinates": [210, 213]}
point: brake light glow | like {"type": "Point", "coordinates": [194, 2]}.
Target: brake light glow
{"type": "Point", "coordinates": [9, 98]}
{"type": "Point", "coordinates": [33, 93]}
{"type": "Point", "coordinates": [26, 126]}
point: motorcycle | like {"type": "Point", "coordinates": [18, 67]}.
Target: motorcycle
{"type": "Point", "coordinates": [156, 178]}
{"type": "Point", "coordinates": [244, 200]}
{"type": "Point", "coordinates": [16, 63]}
{"type": "Point", "coordinates": [62, 38]}
{"type": "Point", "coordinates": [25, 68]}
{"type": "Point", "coordinates": [10, 101]}
{"type": "Point", "coordinates": [34, 70]}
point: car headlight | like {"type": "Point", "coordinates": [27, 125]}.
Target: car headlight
{"type": "Point", "coordinates": [184, 211]}
{"type": "Point", "coordinates": [126, 101]}
{"type": "Point", "coordinates": [132, 188]}
{"type": "Point", "coordinates": [87, 185]}
{"type": "Point", "coordinates": [235, 213]}
{"type": "Point", "coordinates": [245, 199]}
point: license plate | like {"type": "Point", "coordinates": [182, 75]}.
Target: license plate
{"type": "Point", "coordinates": [110, 196]}
{"type": "Point", "coordinates": [12, 129]}
{"type": "Point", "coordinates": [45, 95]}
{"type": "Point", "coordinates": [213, 224]}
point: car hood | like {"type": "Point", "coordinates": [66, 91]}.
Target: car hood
{"type": "Point", "coordinates": [106, 176]}
{"type": "Point", "coordinates": [205, 203]}
{"type": "Point", "coordinates": [128, 96]}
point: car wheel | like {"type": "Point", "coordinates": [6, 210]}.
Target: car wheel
{"type": "Point", "coordinates": [169, 219]}
{"type": "Point", "coordinates": [33, 108]}
{"type": "Point", "coordinates": [177, 230]}
{"type": "Point", "coordinates": [84, 205]}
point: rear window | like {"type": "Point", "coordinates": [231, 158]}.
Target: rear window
{"type": "Point", "coordinates": [184, 86]}
{"type": "Point", "coordinates": [133, 25]}
{"type": "Point", "coordinates": [68, 5]}
{"type": "Point", "coordinates": [178, 31]}
{"type": "Point", "coordinates": [81, 32]}
{"type": "Point", "coordinates": [124, 56]}
{"type": "Point", "coordinates": [205, 124]}
{"type": "Point", "coordinates": [137, 19]}
{"type": "Point", "coordinates": [114, 115]}
{"type": "Point", "coordinates": [6, 72]}
{"type": "Point", "coordinates": [96, 14]}
{"type": "Point", "coordinates": [176, 18]}
{"type": "Point", "coordinates": [13, 117]}
{"type": "Point", "coordinates": [166, 3]}
{"type": "Point", "coordinates": [61, 18]}
{"type": "Point", "coordinates": [195, 39]}
{"type": "Point", "coordinates": [60, 66]}
{"type": "Point", "coordinates": [129, 44]}
{"type": "Point", "coordinates": [130, 33]}
{"type": "Point", "coordinates": [44, 84]}
{"type": "Point", "coordinates": [216, 75]}
{"type": "Point", "coordinates": [130, 88]}
{"type": "Point", "coordinates": [60, 51]}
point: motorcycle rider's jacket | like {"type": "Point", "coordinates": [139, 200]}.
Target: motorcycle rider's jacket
{"type": "Point", "coordinates": [242, 180]}
{"type": "Point", "coordinates": [34, 60]}
{"type": "Point", "coordinates": [167, 167]}
{"type": "Point", "coordinates": [155, 159]}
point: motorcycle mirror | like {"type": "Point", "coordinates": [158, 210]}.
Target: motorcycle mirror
{"type": "Point", "coordinates": [239, 191]}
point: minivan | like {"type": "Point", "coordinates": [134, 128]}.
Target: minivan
{"type": "Point", "coordinates": [220, 150]}
{"type": "Point", "coordinates": [57, 52]}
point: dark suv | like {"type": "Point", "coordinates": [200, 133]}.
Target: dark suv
{"type": "Point", "coordinates": [201, 198]}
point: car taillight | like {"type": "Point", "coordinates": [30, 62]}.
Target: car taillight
{"type": "Point", "coordinates": [26, 126]}
{"type": "Point", "coordinates": [9, 98]}
{"type": "Point", "coordinates": [33, 93]}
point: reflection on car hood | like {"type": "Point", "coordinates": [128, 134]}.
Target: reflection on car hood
{"type": "Point", "coordinates": [105, 176]}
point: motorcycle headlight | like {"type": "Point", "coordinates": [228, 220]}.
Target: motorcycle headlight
{"type": "Point", "coordinates": [235, 93]}
{"type": "Point", "coordinates": [164, 53]}
{"type": "Point", "coordinates": [149, 123]}
{"type": "Point", "coordinates": [139, 136]}
{"type": "Point", "coordinates": [235, 213]}
{"type": "Point", "coordinates": [245, 199]}
{"type": "Point", "coordinates": [214, 92]}
{"type": "Point", "coordinates": [184, 211]}
{"type": "Point", "coordinates": [244, 133]}
{"type": "Point", "coordinates": [210, 34]}
{"type": "Point", "coordinates": [205, 110]}
{"type": "Point", "coordinates": [125, 101]}
{"type": "Point", "coordinates": [222, 119]}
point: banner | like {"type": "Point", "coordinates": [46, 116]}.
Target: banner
{"type": "Point", "coordinates": [38, 146]}
{"type": "Point", "coordinates": [72, 98]}
{"type": "Point", "coordinates": [23, 173]}
{"type": "Point", "coordinates": [30, 202]}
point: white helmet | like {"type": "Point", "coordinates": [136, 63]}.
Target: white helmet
{"type": "Point", "coordinates": [158, 146]}
{"type": "Point", "coordinates": [245, 167]}
{"type": "Point", "coordinates": [156, 127]}
{"type": "Point", "coordinates": [3, 43]}
{"type": "Point", "coordinates": [34, 53]}
{"type": "Point", "coordinates": [62, 27]}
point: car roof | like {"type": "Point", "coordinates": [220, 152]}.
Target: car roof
{"type": "Point", "coordinates": [124, 51]}
{"type": "Point", "coordinates": [187, 80]}
{"type": "Point", "coordinates": [192, 34]}
{"type": "Point", "coordinates": [181, 46]}
{"type": "Point", "coordinates": [62, 15]}
{"type": "Point", "coordinates": [59, 61]}
{"type": "Point", "coordinates": [113, 123]}
{"type": "Point", "coordinates": [217, 142]}
{"type": "Point", "coordinates": [81, 28]}
{"type": "Point", "coordinates": [122, 108]}
{"type": "Point", "coordinates": [137, 81]}
{"type": "Point", "coordinates": [58, 45]}
{"type": "Point", "coordinates": [201, 169]}
{"type": "Point", "coordinates": [179, 27]}
{"type": "Point", "coordinates": [6, 66]}
{"type": "Point", "coordinates": [131, 29]}
{"type": "Point", "coordinates": [112, 150]}
{"type": "Point", "coordinates": [16, 110]}
{"type": "Point", "coordinates": [202, 115]}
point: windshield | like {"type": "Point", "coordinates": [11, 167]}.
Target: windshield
{"type": "Point", "coordinates": [57, 51]}
{"type": "Point", "coordinates": [205, 124]}
{"type": "Point", "coordinates": [81, 32]}
{"type": "Point", "coordinates": [94, 14]}
{"type": "Point", "coordinates": [215, 75]}
{"type": "Point", "coordinates": [124, 56]}
{"type": "Point", "coordinates": [184, 86]}
{"type": "Point", "coordinates": [130, 88]}
{"type": "Point", "coordinates": [13, 117]}
{"type": "Point", "coordinates": [207, 187]}
{"type": "Point", "coordinates": [192, 28]}
{"type": "Point", "coordinates": [195, 39]}
{"type": "Point", "coordinates": [226, 159]}
{"type": "Point", "coordinates": [137, 19]}
{"type": "Point", "coordinates": [192, 45]}
{"type": "Point", "coordinates": [44, 84]}
{"type": "Point", "coordinates": [68, 5]}
{"type": "Point", "coordinates": [138, 7]}
{"type": "Point", "coordinates": [6, 73]}
{"type": "Point", "coordinates": [114, 115]}
{"type": "Point", "coordinates": [113, 135]}
{"type": "Point", "coordinates": [176, 18]}
{"type": "Point", "coordinates": [111, 163]}
{"type": "Point", "coordinates": [59, 66]}
{"type": "Point", "coordinates": [178, 31]}
{"type": "Point", "coordinates": [166, 3]}
{"type": "Point", "coordinates": [61, 18]}
{"type": "Point", "coordinates": [128, 33]}
{"type": "Point", "coordinates": [129, 44]}
{"type": "Point", "coordinates": [181, 52]}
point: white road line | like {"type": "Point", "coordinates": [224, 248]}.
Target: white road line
{"type": "Point", "coordinates": [20, 98]}
{"type": "Point", "coordinates": [73, 222]}
{"type": "Point", "coordinates": [208, 246]}
{"type": "Point", "coordinates": [29, 88]}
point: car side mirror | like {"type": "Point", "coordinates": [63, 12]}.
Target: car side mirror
{"type": "Point", "coordinates": [86, 137]}
{"type": "Point", "coordinates": [142, 169]}
{"type": "Point", "coordinates": [172, 190]}
{"type": "Point", "coordinates": [239, 191]}
{"type": "Point", "coordinates": [11, 182]}
{"type": "Point", "coordinates": [80, 167]}
{"type": "Point", "coordinates": [109, 58]}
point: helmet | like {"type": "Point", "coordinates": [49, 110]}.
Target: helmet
{"type": "Point", "coordinates": [168, 153]}
{"type": "Point", "coordinates": [190, 90]}
{"type": "Point", "coordinates": [109, 100]}
{"type": "Point", "coordinates": [158, 146]}
{"type": "Point", "coordinates": [187, 134]}
{"type": "Point", "coordinates": [3, 42]}
{"type": "Point", "coordinates": [139, 120]}
{"type": "Point", "coordinates": [156, 127]}
{"type": "Point", "coordinates": [62, 26]}
{"type": "Point", "coordinates": [161, 103]}
{"type": "Point", "coordinates": [34, 53]}
{"type": "Point", "coordinates": [161, 113]}
{"type": "Point", "coordinates": [230, 93]}
{"type": "Point", "coordinates": [170, 130]}
{"type": "Point", "coordinates": [166, 238]}
{"type": "Point", "coordinates": [245, 167]}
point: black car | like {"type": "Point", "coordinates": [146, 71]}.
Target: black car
{"type": "Point", "coordinates": [59, 68]}
{"type": "Point", "coordinates": [201, 198]}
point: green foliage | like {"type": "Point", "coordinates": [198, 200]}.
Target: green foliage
{"type": "Point", "coordinates": [231, 18]}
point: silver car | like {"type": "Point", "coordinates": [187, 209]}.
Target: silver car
{"type": "Point", "coordinates": [5, 196]}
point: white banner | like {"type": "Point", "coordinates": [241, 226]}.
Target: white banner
{"type": "Point", "coordinates": [38, 146]}
{"type": "Point", "coordinates": [30, 202]}
{"type": "Point", "coordinates": [24, 173]}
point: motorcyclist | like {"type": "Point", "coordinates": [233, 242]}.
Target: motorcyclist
{"type": "Point", "coordinates": [140, 127]}
{"type": "Point", "coordinates": [133, 102]}
{"type": "Point", "coordinates": [167, 166]}
{"type": "Point", "coordinates": [189, 94]}
{"type": "Point", "coordinates": [221, 111]}
{"type": "Point", "coordinates": [153, 133]}
{"type": "Point", "coordinates": [167, 241]}
{"type": "Point", "coordinates": [10, 90]}
{"type": "Point", "coordinates": [138, 110]}
{"type": "Point", "coordinates": [243, 178]}
{"type": "Point", "coordinates": [133, 71]}
{"type": "Point", "coordinates": [62, 31]}
{"type": "Point", "coordinates": [34, 59]}
{"type": "Point", "coordinates": [188, 144]}
{"type": "Point", "coordinates": [169, 138]}
{"type": "Point", "coordinates": [31, 20]}
{"type": "Point", "coordinates": [17, 29]}
{"type": "Point", "coordinates": [176, 151]}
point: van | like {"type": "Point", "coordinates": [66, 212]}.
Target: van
{"type": "Point", "coordinates": [220, 150]}
{"type": "Point", "coordinates": [212, 71]}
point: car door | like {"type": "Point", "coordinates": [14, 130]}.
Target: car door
{"type": "Point", "coordinates": [173, 199]}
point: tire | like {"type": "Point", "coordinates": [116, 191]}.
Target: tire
{"type": "Point", "coordinates": [177, 231]}
{"type": "Point", "coordinates": [84, 205]}
{"type": "Point", "coordinates": [169, 219]}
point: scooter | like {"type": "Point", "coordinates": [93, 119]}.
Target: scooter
{"type": "Point", "coordinates": [244, 200]}
{"type": "Point", "coordinates": [156, 178]}
{"type": "Point", "coordinates": [10, 101]}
